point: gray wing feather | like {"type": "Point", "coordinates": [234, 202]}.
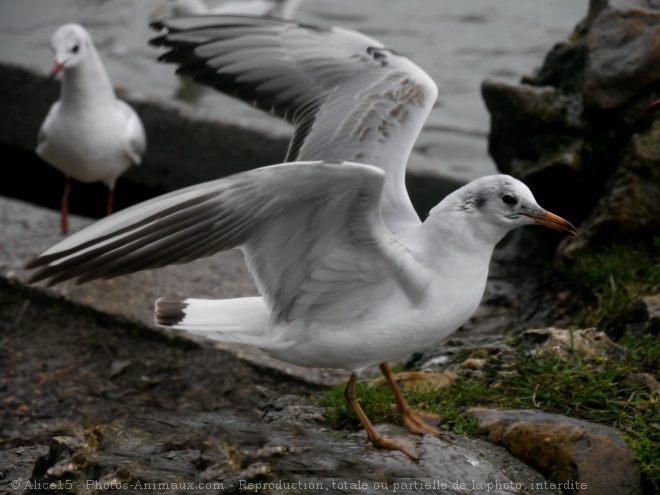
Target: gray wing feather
{"type": "Point", "coordinates": [310, 232]}
{"type": "Point", "coordinates": [348, 96]}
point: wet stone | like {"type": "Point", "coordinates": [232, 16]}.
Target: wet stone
{"type": "Point", "coordinates": [569, 451]}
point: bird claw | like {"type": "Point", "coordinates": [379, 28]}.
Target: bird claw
{"type": "Point", "coordinates": [420, 422]}
{"type": "Point", "coordinates": [384, 442]}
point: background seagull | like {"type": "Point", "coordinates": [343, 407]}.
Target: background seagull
{"type": "Point", "coordinates": [349, 276]}
{"type": "Point", "coordinates": [88, 134]}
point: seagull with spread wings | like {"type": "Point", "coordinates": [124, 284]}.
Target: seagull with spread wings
{"type": "Point", "coordinates": [349, 275]}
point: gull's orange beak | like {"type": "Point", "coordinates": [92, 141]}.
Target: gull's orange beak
{"type": "Point", "coordinates": [553, 221]}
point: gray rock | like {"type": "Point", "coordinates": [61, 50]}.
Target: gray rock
{"type": "Point", "coordinates": [17, 464]}
{"type": "Point", "coordinates": [449, 351]}
{"type": "Point", "coordinates": [587, 345]}
{"type": "Point", "coordinates": [551, 119]}
{"type": "Point", "coordinates": [576, 126]}
{"type": "Point", "coordinates": [469, 357]}
{"type": "Point", "coordinates": [623, 57]}
{"type": "Point", "coordinates": [630, 205]}
{"type": "Point", "coordinates": [563, 67]}
{"type": "Point", "coordinates": [569, 451]}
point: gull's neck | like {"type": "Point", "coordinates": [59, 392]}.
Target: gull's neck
{"type": "Point", "coordinates": [86, 84]}
{"type": "Point", "coordinates": [452, 235]}
{"type": "Point", "coordinates": [454, 249]}
{"type": "Point", "coordinates": [465, 223]}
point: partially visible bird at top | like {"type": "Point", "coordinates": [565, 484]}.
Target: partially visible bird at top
{"type": "Point", "coordinates": [89, 134]}
{"type": "Point", "coordinates": [284, 9]}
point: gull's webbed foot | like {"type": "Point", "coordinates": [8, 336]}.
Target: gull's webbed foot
{"type": "Point", "coordinates": [384, 442]}
{"type": "Point", "coordinates": [415, 421]}
{"type": "Point", "coordinates": [420, 422]}
{"type": "Point", "coordinates": [373, 436]}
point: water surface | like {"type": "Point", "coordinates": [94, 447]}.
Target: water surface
{"type": "Point", "coordinates": [458, 42]}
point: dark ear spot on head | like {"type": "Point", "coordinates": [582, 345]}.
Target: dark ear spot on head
{"type": "Point", "coordinates": [480, 201]}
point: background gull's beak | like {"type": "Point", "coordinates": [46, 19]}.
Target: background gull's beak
{"type": "Point", "coordinates": [57, 68]}
{"type": "Point", "coordinates": [552, 221]}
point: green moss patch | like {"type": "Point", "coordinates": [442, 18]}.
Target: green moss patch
{"type": "Point", "coordinates": [613, 393]}
{"type": "Point", "coordinates": [603, 282]}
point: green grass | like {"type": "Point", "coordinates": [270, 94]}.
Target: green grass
{"type": "Point", "coordinates": [609, 279]}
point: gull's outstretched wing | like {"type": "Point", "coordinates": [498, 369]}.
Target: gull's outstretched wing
{"type": "Point", "coordinates": [311, 232]}
{"type": "Point", "coordinates": [348, 96]}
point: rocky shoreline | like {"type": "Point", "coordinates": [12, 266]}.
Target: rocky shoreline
{"type": "Point", "coordinates": [109, 400]}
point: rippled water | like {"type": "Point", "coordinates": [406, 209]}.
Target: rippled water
{"type": "Point", "coordinates": [458, 42]}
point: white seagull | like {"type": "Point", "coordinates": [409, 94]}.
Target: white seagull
{"type": "Point", "coordinates": [88, 134]}
{"type": "Point", "coordinates": [349, 276]}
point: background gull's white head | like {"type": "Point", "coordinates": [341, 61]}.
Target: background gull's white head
{"type": "Point", "coordinates": [71, 44]}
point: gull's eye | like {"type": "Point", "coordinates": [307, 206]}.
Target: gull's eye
{"type": "Point", "coordinates": [75, 48]}
{"type": "Point", "coordinates": [509, 199]}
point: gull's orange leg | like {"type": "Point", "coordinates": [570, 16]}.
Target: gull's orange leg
{"type": "Point", "coordinates": [372, 435]}
{"type": "Point", "coordinates": [415, 421]}
{"type": "Point", "coordinates": [64, 206]}
{"type": "Point", "coordinates": [110, 201]}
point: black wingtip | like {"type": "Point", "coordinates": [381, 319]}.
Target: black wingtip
{"type": "Point", "coordinates": [37, 276]}
{"type": "Point", "coordinates": [157, 24]}
{"type": "Point", "coordinates": [170, 311]}
{"type": "Point", "coordinates": [32, 264]}
{"type": "Point", "coordinates": [157, 41]}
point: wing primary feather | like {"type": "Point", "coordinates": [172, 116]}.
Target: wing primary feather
{"type": "Point", "coordinates": [305, 229]}
{"type": "Point", "coordinates": [46, 259]}
{"type": "Point", "coordinates": [79, 258]}
{"type": "Point", "coordinates": [148, 253]}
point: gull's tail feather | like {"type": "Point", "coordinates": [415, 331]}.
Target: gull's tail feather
{"type": "Point", "coordinates": [246, 315]}
{"type": "Point", "coordinates": [170, 311]}
{"type": "Point", "coordinates": [242, 320]}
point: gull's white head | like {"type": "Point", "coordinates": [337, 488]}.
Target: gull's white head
{"type": "Point", "coordinates": [71, 44]}
{"type": "Point", "coordinates": [495, 204]}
